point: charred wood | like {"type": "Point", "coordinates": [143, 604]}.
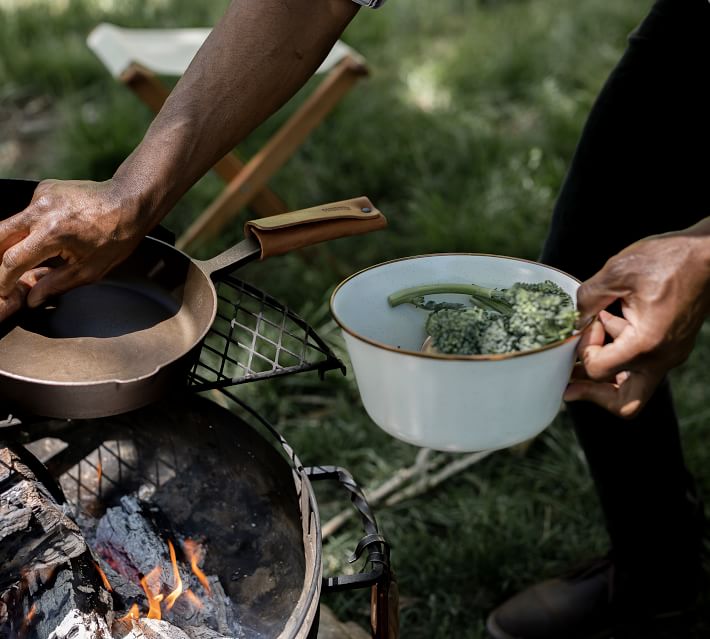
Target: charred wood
{"type": "Point", "coordinates": [34, 530]}
{"type": "Point", "coordinates": [49, 585]}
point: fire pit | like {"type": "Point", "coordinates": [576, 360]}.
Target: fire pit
{"type": "Point", "coordinates": [182, 520]}
{"type": "Point", "coordinates": [186, 515]}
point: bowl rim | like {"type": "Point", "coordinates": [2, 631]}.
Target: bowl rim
{"type": "Point", "coordinates": [446, 356]}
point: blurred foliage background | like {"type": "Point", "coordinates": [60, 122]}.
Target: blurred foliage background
{"type": "Point", "coordinates": [461, 135]}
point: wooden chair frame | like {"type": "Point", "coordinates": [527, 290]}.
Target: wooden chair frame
{"type": "Point", "coordinates": [246, 182]}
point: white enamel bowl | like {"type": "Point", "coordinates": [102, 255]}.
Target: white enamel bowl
{"type": "Point", "coordinates": [448, 402]}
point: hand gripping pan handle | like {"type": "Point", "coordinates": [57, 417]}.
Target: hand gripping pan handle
{"type": "Point", "coordinates": [279, 234]}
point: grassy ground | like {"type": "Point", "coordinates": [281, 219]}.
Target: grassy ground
{"type": "Point", "coordinates": [461, 136]}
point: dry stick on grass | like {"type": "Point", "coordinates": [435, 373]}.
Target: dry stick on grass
{"type": "Point", "coordinates": [423, 467]}
{"type": "Point", "coordinates": [430, 481]}
{"type": "Point", "coordinates": [422, 464]}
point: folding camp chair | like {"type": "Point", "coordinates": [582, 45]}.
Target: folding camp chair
{"type": "Point", "coordinates": [138, 57]}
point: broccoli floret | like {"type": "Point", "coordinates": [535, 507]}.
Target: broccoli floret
{"type": "Point", "coordinates": [457, 330]}
{"type": "Point", "coordinates": [522, 317]}
{"type": "Point", "coordinates": [542, 314]}
{"type": "Point", "coordinates": [497, 338]}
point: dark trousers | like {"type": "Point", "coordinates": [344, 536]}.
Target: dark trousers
{"type": "Point", "coordinates": [641, 167]}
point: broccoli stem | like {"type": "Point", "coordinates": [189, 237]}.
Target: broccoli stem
{"type": "Point", "coordinates": [485, 297]}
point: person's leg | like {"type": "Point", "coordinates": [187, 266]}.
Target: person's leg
{"type": "Point", "coordinates": [635, 173]}
{"type": "Point", "coordinates": [652, 514]}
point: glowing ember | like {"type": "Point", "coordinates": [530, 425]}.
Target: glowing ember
{"type": "Point", "coordinates": [172, 597]}
{"type": "Point", "coordinates": [149, 583]}
{"type": "Point", "coordinates": [192, 550]}
{"type": "Point", "coordinates": [27, 621]}
{"type": "Point", "coordinates": [104, 578]}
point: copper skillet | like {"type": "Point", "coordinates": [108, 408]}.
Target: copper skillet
{"type": "Point", "coordinates": [129, 339]}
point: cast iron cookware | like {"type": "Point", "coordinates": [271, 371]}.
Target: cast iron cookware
{"type": "Point", "coordinates": [128, 339]}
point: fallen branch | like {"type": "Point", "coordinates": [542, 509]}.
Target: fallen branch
{"type": "Point", "coordinates": [431, 481]}
{"type": "Point", "coordinates": [423, 463]}
{"type": "Point", "coordinates": [391, 491]}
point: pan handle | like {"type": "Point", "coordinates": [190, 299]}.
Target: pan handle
{"type": "Point", "coordinates": [279, 234]}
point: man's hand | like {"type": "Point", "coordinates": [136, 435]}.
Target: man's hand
{"type": "Point", "coordinates": [86, 224]}
{"type": "Point", "coordinates": [13, 302]}
{"type": "Point", "coordinates": [663, 285]}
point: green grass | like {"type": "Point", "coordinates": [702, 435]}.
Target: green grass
{"type": "Point", "coordinates": [461, 135]}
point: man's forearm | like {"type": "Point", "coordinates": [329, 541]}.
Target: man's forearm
{"type": "Point", "coordinates": [255, 59]}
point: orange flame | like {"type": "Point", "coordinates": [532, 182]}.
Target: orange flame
{"type": "Point", "coordinates": [172, 597]}
{"type": "Point", "coordinates": [153, 600]}
{"type": "Point", "coordinates": [99, 473]}
{"type": "Point", "coordinates": [133, 613]}
{"type": "Point", "coordinates": [151, 584]}
{"type": "Point", "coordinates": [104, 578]}
{"type": "Point", "coordinates": [192, 551]}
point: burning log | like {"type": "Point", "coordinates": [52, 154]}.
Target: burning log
{"type": "Point", "coordinates": [151, 629]}
{"type": "Point", "coordinates": [134, 552]}
{"type": "Point", "coordinates": [131, 546]}
{"type": "Point", "coordinates": [156, 629]}
{"type": "Point", "coordinates": [78, 625]}
{"type": "Point", "coordinates": [49, 585]}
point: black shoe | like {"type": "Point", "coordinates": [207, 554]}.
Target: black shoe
{"type": "Point", "coordinates": [582, 605]}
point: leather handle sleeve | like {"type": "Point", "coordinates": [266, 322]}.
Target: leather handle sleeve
{"type": "Point", "coordinates": [280, 234]}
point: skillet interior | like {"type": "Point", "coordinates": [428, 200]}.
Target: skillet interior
{"type": "Point", "coordinates": [149, 311]}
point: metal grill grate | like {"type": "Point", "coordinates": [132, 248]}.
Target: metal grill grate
{"type": "Point", "coordinates": [116, 466]}
{"type": "Point", "coordinates": [256, 337]}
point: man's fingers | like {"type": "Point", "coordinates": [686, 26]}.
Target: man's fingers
{"type": "Point", "coordinates": [15, 300]}
{"type": "Point", "coordinates": [603, 362]}
{"type": "Point", "coordinates": [13, 230]}
{"type": "Point", "coordinates": [613, 324]}
{"type": "Point", "coordinates": [593, 335]}
{"type": "Point", "coordinates": [10, 239]}
{"type": "Point", "coordinates": [598, 292]}
{"type": "Point", "coordinates": [635, 391]}
{"type": "Point", "coordinates": [625, 399]}
{"type": "Point", "coordinates": [59, 280]}
{"type": "Point", "coordinates": [31, 277]}
{"type": "Point", "coordinates": [22, 257]}
{"type": "Point", "coordinates": [578, 372]}
{"type": "Point", "coordinates": [603, 394]}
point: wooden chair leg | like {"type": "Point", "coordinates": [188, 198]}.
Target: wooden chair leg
{"type": "Point", "coordinates": [274, 154]}
{"type": "Point", "coordinates": [149, 88]}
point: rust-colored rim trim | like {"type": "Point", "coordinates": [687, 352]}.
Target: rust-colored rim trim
{"type": "Point", "coordinates": [443, 356]}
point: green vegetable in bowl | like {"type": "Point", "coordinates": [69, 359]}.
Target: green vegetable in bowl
{"type": "Point", "coordinates": [522, 317]}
